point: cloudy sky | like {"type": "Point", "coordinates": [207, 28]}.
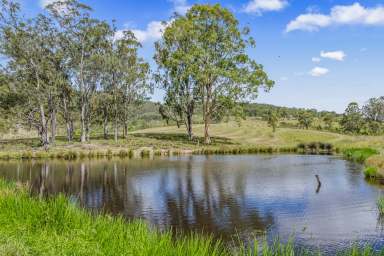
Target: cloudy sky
{"type": "Point", "coordinates": [322, 54]}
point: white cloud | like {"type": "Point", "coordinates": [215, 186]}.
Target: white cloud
{"type": "Point", "coordinates": [180, 6]}
{"type": "Point", "coordinates": [339, 15]}
{"type": "Point", "coordinates": [336, 55]}
{"type": "Point", "coordinates": [316, 59]}
{"type": "Point", "coordinates": [259, 6]}
{"type": "Point", "coordinates": [153, 32]}
{"type": "Point", "coordinates": [318, 71]}
{"type": "Point", "coordinates": [44, 3]}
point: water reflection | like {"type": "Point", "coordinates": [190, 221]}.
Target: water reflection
{"type": "Point", "coordinates": [221, 195]}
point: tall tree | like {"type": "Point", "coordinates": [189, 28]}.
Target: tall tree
{"type": "Point", "coordinates": [352, 120]}
{"type": "Point", "coordinates": [175, 74]}
{"type": "Point", "coordinates": [85, 41]}
{"type": "Point", "coordinates": [305, 119]}
{"type": "Point", "coordinates": [125, 78]}
{"type": "Point", "coordinates": [373, 110]}
{"type": "Point", "coordinates": [32, 53]}
{"type": "Point", "coordinates": [221, 67]}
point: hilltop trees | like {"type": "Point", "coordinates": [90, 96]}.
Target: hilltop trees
{"type": "Point", "coordinates": [215, 67]}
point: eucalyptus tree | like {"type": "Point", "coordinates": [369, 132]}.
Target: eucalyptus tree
{"type": "Point", "coordinates": [84, 41]}
{"type": "Point", "coordinates": [32, 55]}
{"type": "Point", "coordinates": [305, 119]}
{"type": "Point", "coordinates": [175, 61]}
{"type": "Point", "coordinates": [373, 110]}
{"type": "Point", "coordinates": [216, 61]}
{"type": "Point", "coordinates": [125, 78]}
{"type": "Point", "coordinates": [352, 120]}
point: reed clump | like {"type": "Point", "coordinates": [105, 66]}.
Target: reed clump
{"type": "Point", "coordinates": [371, 173]}
{"type": "Point", "coordinates": [360, 155]}
{"type": "Point", "coordinates": [380, 205]}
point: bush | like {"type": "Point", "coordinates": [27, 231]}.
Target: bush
{"type": "Point", "coordinates": [371, 173]}
{"type": "Point", "coordinates": [360, 154]}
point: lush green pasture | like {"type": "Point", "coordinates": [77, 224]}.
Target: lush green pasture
{"type": "Point", "coordinates": [29, 226]}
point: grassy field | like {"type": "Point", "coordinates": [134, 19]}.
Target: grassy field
{"type": "Point", "coordinates": [29, 226]}
{"type": "Point", "coordinates": [254, 132]}
{"type": "Point", "coordinates": [251, 136]}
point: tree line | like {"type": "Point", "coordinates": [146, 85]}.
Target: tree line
{"type": "Point", "coordinates": [365, 120]}
{"type": "Point", "coordinates": [64, 64]}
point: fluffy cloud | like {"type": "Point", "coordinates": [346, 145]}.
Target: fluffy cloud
{"type": "Point", "coordinates": [318, 71]}
{"type": "Point", "coordinates": [153, 32]}
{"type": "Point", "coordinates": [339, 15]}
{"type": "Point", "coordinates": [259, 6]}
{"type": "Point", "coordinates": [336, 55]}
{"type": "Point", "coordinates": [180, 6]}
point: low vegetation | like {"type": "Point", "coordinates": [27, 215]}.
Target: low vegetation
{"type": "Point", "coordinates": [29, 226]}
{"type": "Point", "coordinates": [380, 205]}
{"type": "Point", "coordinates": [360, 154]}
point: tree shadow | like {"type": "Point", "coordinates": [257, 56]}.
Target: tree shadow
{"type": "Point", "coordinates": [177, 137]}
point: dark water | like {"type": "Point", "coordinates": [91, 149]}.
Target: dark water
{"type": "Point", "coordinates": [226, 196]}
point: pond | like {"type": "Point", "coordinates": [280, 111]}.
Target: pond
{"type": "Point", "coordinates": [229, 197]}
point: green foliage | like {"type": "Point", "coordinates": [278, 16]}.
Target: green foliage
{"type": "Point", "coordinates": [380, 205]}
{"type": "Point", "coordinates": [273, 120]}
{"type": "Point", "coordinates": [360, 154]}
{"type": "Point", "coordinates": [203, 55]}
{"type": "Point", "coordinates": [371, 172]}
{"type": "Point", "coordinates": [305, 119]}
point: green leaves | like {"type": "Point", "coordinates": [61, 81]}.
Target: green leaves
{"type": "Point", "coordinates": [207, 50]}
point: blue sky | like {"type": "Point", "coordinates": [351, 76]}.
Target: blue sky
{"type": "Point", "coordinates": [322, 54]}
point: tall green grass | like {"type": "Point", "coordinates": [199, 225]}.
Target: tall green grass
{"type": "Point", "coordinates": [29, 226]}
{"type": "Point", "coordinates": [380, 205]}
{"type": "Point", "coordinates": [360, 154]}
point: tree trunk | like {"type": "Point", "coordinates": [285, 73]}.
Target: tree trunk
{"type": "Point", "coordinates": [69, 125]}
{"type": "Point", "coordinates": [189, 127]}
{"type": "Point", "coordinates": [207, 138]}
{"type": "Point", "coordinates": [43, 131]}
{"type": "Point", "coordinates": [83, 123]}
{"type": "Point", "coordinates": [207, 114]}
{"type": "Point", "coordinates": [68, 120]}
{"type": "Point", "coordinates": [125, 132]}
{"type": "Point", "coordinates": [116, 130]}
{"type": "Point", "coordinates": [105, 128]}
{"type": "Point", "coordinates": [53, 126]}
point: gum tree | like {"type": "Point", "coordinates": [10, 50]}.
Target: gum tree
{"type": "Point", "coordinates": [216, 63]}
{"type": "Point", "coordinates": [125, 78]}
{"type": "Point", "coordinates": [84, 41]}
{"type": "Point", "coordinates": [30, 46]}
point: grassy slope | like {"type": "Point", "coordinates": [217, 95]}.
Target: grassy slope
{"type": "Point", "coordinates": [253, 132]}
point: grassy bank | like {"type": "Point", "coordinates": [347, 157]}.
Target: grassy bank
{"type": "Point", "coordinates": [371, 158]}
{"type": "Point", "coordinates": [252, 136]}
{"type": "Point", "coordinates": [29, 226]}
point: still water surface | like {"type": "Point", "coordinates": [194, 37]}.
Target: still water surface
{"type": "Point", "coordinates": [226, 196]}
